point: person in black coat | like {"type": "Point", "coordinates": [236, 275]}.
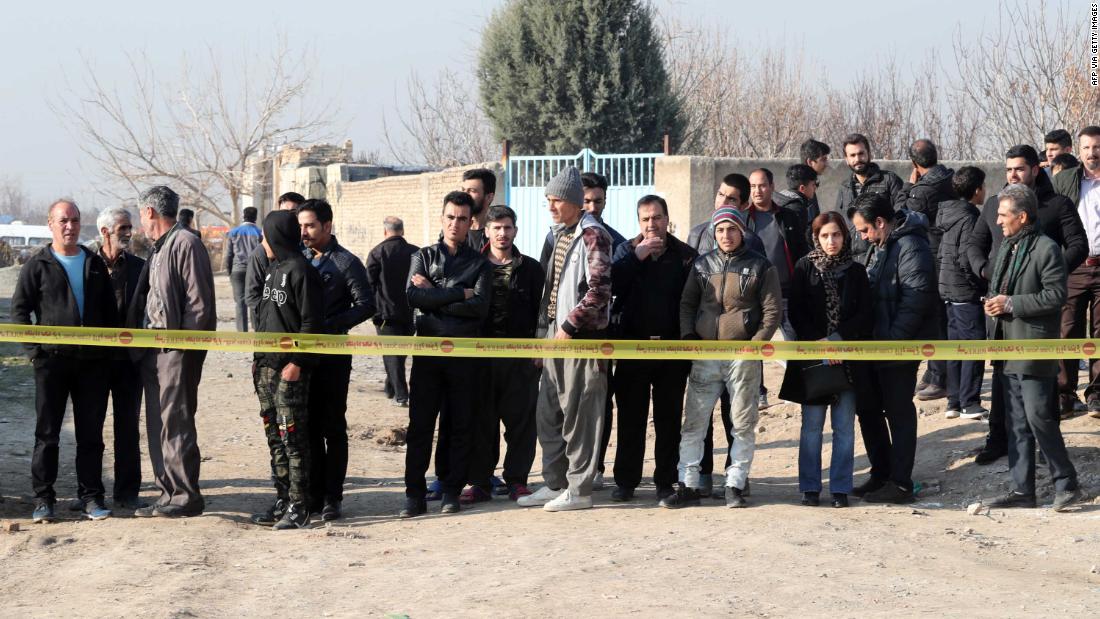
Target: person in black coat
{"type": "Point", "coordinates": [866, 178]}
{"type": "Point", "coordinates": [388, 273]}
{"type": "Point", "coordinates": [900, 270]}
{"type": "Point", "coordinates": [834, 303]}
{"type": "Point", "coordinates": [961, 289]}
{"type": "Point", "coordinates": [1059, 220]}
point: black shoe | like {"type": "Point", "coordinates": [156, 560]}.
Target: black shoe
{"type": "Point", "coordinates": [176, 511]}
{"type": "Point", "coordinates": [449, 503]}
{"type": "Point", "coordinates": [990, 454]}
{"type": "Point", "coordinates": [811, 499]}
{"type": "Point", "coordinates": [840, 499]}
{"type": "Point", "coordinates": [621, 494]}
{"type": "Point", "coordinates": [1066, 498]}
{"type": "Point", "coordinates": [134, 503]}
{"type": "Point", "coordinates": [145, 512]}
{"type": "Point", "coordinates": [890, 493]}
{"type": "Point", "coordinates": [747, 492]}
{"type": "Point", "coordinates": [683, 497]}
{"type": "Point", "coordinates": [870, 485]}
{"type": "Point", "coordinates": [1012, 499]}
{"type": "Point", "coordinates": [413, 507]}
{"type": "Point", "coordinates": [296, 517]}
{"type": "Point", "coordinates": [664, 491]}
{"type": "Point", "coordinates": [735, 497]}
{"type": "Point", "coordinates": [932, 392]}
{"type": "Point", "coordinates": [331, 510]}
{"type": "Point", "coordinates": [272, 515]}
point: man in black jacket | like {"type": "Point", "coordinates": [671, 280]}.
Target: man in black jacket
{"type": "Point", "coordinates": [450, 284]}
{"type": "Point", "coordinates": [387, 273]}
{"type": "Point", "coordinates": [512, 386]}
{"type": "Point", "coordinates": [929, 184]}
{"type": "Point", "coordinates": [647, 278]}
{"type": "Point", "coordinates": [349, 301]}
{"type": "Point", "coordinates": [64, 284]}
{"type": "Point", "coordinates": [1081, 185]}
{"type": "Point", "coordinates": [1059, 221]}
{"type": "Point", "coordinates": [115, 230]}
{"type": "Point", "coordinates": [866, 177]}
{"type": "Point", "coordinates": [800, 195]}
{"type": "Point", "coordinates": [961, 289]}
{"type": "Point", "coordinates": [900, 270]}
{"type": "Point", "coordinates": [293, 302]}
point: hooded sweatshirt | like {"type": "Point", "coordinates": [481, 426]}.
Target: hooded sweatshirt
{"type": "Point", "coordinates": [293, 298]}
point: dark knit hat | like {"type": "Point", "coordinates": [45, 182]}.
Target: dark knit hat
{"type": "Point", "coordinates": [567, 186]}
{"type": "Point", "coordinates": [727, 213]}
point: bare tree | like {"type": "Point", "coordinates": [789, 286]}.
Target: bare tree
{"type": "Point", "coordinates": [1026, 76]}
{"type": "Point", "coordinates": [440, 124]}
{"type": "Point", "coordinates": [15, 202]}
{"type": "Point", "coordinates": [198, 130]}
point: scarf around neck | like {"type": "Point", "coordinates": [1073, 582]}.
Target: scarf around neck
{"type": "Point", "coordinates": [1010, 259]}
{"type": "Point", "coordinates": [829, 266]}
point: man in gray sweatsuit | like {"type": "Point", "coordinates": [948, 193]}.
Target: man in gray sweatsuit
{"type": "Point", "coordinates": [575, 304]}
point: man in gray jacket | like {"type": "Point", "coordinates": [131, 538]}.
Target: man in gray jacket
{"type": "Point", "coordinates": [1026, 292]}
{"type": "Point", "coordinates": [180, 296]}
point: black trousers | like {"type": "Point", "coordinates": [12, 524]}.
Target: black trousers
{"type": "Point", "coordinates": [328, 427]}
{"type": "Point", "coordinates": [508, 396]}
{"type": "Point", "coordinates": [605, 438]}
{"type": "Point", "coordinates": [436, 383]}
{"type": "Point", "coordinates": [126, 388]}
{"type": "Point", "coordinates": [633, 381]}
{"type": "Point", "coordinates": [237, 280]}
{"type": "Point", "coordinates": [1031, 419]}
{"type": "Point", "coordinates": [888, 421]}
{"type": "Point", "coordinates": [706, 467]}
{"type": "Point", "coordinates": [57, 379]}
{"type": "Point", "coordinates": [965, 321]}
{"type": "Point", "coordinates": [936, 372]}
{"type": "Point", "coordinates": [396, 387]}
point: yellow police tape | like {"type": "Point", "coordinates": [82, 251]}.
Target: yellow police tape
{"type": "Point", "coordinates": [575, 349]}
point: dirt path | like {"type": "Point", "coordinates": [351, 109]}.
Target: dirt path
{"type": "Point", "coordinates": [775, 559]}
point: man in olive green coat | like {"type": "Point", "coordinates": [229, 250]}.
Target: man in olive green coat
{"type": "Point", "coordinates": [1026, 293]}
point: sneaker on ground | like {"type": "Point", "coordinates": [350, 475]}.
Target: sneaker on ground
{"type": "Point", "coordinates": [1094, 407]}
{"type": "Point", "coordinates": [43, 512]}
{"type": "Point", "coordinates": [474, 494]}
{"type": "Point", "coordinates": [597, 481]}
{"type": "Point", "coordinates": [1064, 499]}
{"type": "Point", "coordinates": [931, 392]}
{"type": "Point", "coordinates": [540, 497]}
{"type": "Point", "coordinates": [272, 515]}
{"type": "Point", "coordinates": [735, 498]}
{"type": "Point", "coordinates": [499, 487]}
{"type": "Point", "coordinates": [435, 491]}
{"type": "Point", "coordinates": [951, 413]}
{"type": "Point", "coordinates": [296, 517]}
{"type": "Point", "coordinates": [518, 491]}
{"type": "Point", "coordinates": [683, 497]}
{"type": "Point", "coordinates": [1012, 499]}
{"type": "Point", "coordinates": [96, 510]}
{"type": "Point", "coordinates": [568, 501]}
{"type": "Point", "coordinates": [763, 402]}
{"type": "Point", "coordinates": [974, 412]}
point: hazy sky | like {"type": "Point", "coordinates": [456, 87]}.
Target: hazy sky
{"type": "Point", "coordinates": [366, 50]}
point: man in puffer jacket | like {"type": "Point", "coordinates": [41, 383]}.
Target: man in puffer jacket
{"type": "Point", "coordinates": [961, 289]}
{"type": "Point", "coordinates": [733, 293]}
{"type": "Point", "coordinates": [293, 302]}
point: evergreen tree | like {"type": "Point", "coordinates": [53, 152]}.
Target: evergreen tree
{"type": "Point", "coordinates": [559, 75]}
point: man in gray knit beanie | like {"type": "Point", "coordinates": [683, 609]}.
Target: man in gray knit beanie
{"type": "Point", "coordinates": [569, 416]}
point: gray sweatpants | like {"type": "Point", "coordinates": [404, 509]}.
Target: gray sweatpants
{"type": "Point", "coordinates": [569, 419]}
{"type": "Point", "coordinates": [705, 385]}
{"type": "Point", "coordinates": [171, 381]}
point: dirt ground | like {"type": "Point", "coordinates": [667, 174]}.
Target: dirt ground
{"type": "Point", "coordinates": [777, 558]}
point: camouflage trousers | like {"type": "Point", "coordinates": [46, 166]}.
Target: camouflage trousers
{"type": "Point", "coordinates": [285, 415]}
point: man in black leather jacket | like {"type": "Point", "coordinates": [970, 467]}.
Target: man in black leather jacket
{"type": "Point", "coordinates": [451, 284]}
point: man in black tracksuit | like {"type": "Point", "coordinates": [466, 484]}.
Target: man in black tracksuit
{"type": "Point", "coordinates": [387, 274]}
{"type": "Point", "coordinates": [512, 385]}
{"type": "Point", "coordinates": [65, 284]}
{"type": "Point", "coordinates": [349, 301]}
{"type": "Point", "coordinates": [450, 283]}
{"type": "Point", "coordinates": [1059, 220]}
{"type": "Point", "coordinates": [292, 302]}
{"type": "Point", "coordinates": [647, 278]}
{"type": "Point", "coordinates": [866, 178]}
{"type": "Point", "coordinates": [929, 184]}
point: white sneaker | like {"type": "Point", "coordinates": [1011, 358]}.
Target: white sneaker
{"type": "Point", "coordinates": [763, 403]}
{"type": "Point", "coordinates": [567, 502]}
{"type": "Point", "coordinates": [542, 496]}
{"type": "Point", "coordinates": [975, 413]}
{"type": "Point", "coordinates": [597, 481]}
{"type": "Point", "coordinates": [951, 413]}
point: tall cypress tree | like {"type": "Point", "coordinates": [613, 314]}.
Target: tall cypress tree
{"type": "Point", "coordinates": [560, 75]}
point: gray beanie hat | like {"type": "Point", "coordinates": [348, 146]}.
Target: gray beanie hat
{"type": "Point", "coordinates": [567, 186]}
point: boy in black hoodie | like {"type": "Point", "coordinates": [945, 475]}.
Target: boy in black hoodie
{"type": "Point", "coordinates": [293, 302]}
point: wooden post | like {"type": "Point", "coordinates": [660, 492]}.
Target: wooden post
{"type": "Point", "coordinates": [667, 146]}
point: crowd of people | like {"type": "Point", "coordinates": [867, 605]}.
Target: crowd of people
{"type": "Point", "coordinates": [928, 258]}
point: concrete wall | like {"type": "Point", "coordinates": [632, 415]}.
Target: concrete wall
{"type": "Point", "coordinates": [360, 206]}
{"type": "Point", "coordinates": [689, 184]}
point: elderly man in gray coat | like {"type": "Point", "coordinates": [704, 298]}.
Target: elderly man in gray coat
{"type": "Point", "coordinates": [1026, 293]}
{"type": "Point", "coordinates": [180, 297]}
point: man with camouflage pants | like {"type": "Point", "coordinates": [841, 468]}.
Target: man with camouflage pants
{"type": "Point", "coordinates": [293, 302]}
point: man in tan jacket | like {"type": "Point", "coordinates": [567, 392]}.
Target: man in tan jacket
{"type": "Point", "coordinates": [732, 293]}
{"type": "Point", "coordinates": [180, 296]}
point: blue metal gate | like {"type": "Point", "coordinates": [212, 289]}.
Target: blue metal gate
{"type": "Point", "coordinates": [629, 177]}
